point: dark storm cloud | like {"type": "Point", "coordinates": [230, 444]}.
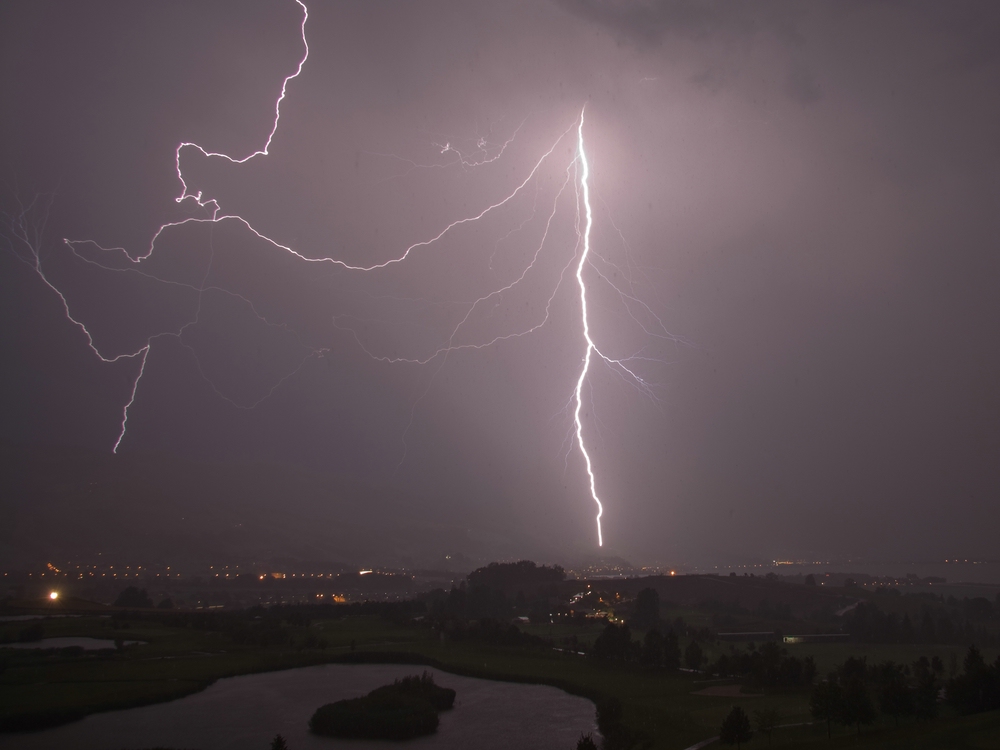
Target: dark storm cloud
{"type": "Point", "coordinates": [969, 26]}
{"type": "Point", "coordinates": [650, 22]}
{"type": "Point", "coordinates": [727, 25]}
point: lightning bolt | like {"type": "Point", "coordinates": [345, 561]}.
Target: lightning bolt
{"type": "Point", "coordinates": [585, 322]}
{"type": "Point", "coordinates": [22, 234]}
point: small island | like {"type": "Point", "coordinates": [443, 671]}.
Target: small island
{"type": "Point", "coordinates": [405, 709]}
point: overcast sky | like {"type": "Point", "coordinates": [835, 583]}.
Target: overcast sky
{"type": "Point", "coordinates": [795, 243]}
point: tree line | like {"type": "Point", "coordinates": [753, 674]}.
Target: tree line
{"type": "Point", "coordinates": [855, 692]}
{"type": "Point", "coordinates": [866, 623]}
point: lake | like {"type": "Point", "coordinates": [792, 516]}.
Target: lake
{"type": "Point", "coordinates": [87, 644]}
{"type": "Point", "coordinates": [244, 713]}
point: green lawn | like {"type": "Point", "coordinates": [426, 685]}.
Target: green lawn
{"type": "Point", "coordinates": [178, 661]}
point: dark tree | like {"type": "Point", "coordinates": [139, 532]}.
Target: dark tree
{"type": "Point", "coordinates": [693, 655]}
{"type": "Point", "coordinates": [810, 580]}
{"type": "Point", "coordinates": [895, 697]}
{"type": "Point", "coordinates": [856, 707]}
{"type": "Point", "coordinates": [278, 743]}
{"type": "Point", "coordinates": [609, 714]}
{"type": "Point", "coordinates": [974, 663]}
{"type": "Point", "coordinates": [937, 665]}
{"type": "Point", "coordinates": [928, 633]}
{"type": "Point", "coordinates": [613, 644]}
{"type": "Point", "coordinates": [539, 612]}
{"type": "Point", "coordinates": [511, 577]}
{"type": "Point", "coordinates": [907, 634]}
{"type": "Point", "coordinates": [611, 724]}
{"type": "Point", "coordinates": [586, 742]}
{"type": "Point", "coordinates": [647, 609]}
{"type": "Point", "coordinates": [978, 687]}
{"type": "Point", "coordinates": [825, 702]}
{"type": "Point", "coordinates": [735, 728]}
{"type": "Point", "coordinates": [765, 720]}
{"type": "Point", "coordinates": [134, 598]}
{"type": "Point", "coordinates": [978, 608]}
{"type": "Point", "coordinates": [853, 670]}
{"type": "Point", "coordinates": [168, 603]}
{"type": "Point", "coordinates": [926, 691]}
{"type": "Point", "coordinates": [808, 670]}
{"type": "Point", "coordinates": [671, 651]}
{"type": "Point", "coordinates": [405, 709]}
{"type": "Point", "coordinates": [652, 649]}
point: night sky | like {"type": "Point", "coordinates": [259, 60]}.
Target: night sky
{"type": "Point", "coordinates": [796, 214]}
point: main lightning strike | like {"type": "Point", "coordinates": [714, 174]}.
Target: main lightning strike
{"type": "Point", "coordinates": [589, 223]}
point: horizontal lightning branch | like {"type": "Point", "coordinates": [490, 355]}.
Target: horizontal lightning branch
{"type": "Point", "coordinates": [26, 227]}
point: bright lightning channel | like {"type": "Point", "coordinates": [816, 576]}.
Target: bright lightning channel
{"type": "Point", "coordinates": [589, 222]}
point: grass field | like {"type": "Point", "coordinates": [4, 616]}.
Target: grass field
{"type": "Point", "coordinates": [178, 661]}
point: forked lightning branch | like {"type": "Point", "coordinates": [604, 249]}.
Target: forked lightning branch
{"type": "Point", "coordinates": [26, 242]}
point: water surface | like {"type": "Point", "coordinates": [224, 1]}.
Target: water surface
{"type": "Point", "coordinates": [87, 644]}
{"type": "Point", "coordinates": [244, 713]}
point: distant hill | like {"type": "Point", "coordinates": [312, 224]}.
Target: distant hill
{"type": "Point", "coordinates": [68, 502]}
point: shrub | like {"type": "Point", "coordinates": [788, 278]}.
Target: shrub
{"type": "Point", "coordinates": [406, 709]}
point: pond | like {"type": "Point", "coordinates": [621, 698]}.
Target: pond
{"type": "Point", "coordinates": [87, 644]}
{"type": "Point", "coordinates": [244, 713]}
{"type": "Point", "coordinates": [25, 618]}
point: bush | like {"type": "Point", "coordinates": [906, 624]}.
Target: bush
{"type": "Point", "coordinates": [978, 687]}
{"type": "Point", "coordinates": [389, 718]}
{"type": "Point", "coordinates": [423, 688]}
{"type": "Point", "coordinates": [406, 709]}
{"type": "Point", "coordinates": [735, 729]}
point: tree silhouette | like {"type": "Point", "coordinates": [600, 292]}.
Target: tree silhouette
{"type": "Point", "coordinates": [652, 649]}
{"type": "Point", "coordinates": [978, 687]}
{"type": "Point", "coordinates": [765, 720]}
{"type": "Point", "coordinates": [926, 692]}
{"type": "Point", "coordinates": [614, 643]}
{"type": "Point", "coordinates": [671, 651]}
{"type": "Point", "coordinates": [856, 707]}
{"type": "Point", "coordinates": [647, 609]}
{"type": "Point", "coordinates": [824, 704]}
{"type": "Point", "coordinates": [693, 655]}
{"type": "Point", "coordinates": [134, 598]}
{"type": "Point", "coordinates": [278, 743]}
{"type": "Point", "coordinates": [895, 697]}
{"type": "Point", "coordinates": [735, 728]}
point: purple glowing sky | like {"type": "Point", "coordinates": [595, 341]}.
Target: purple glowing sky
{"type": "Point", "coordinates": [794, 239]}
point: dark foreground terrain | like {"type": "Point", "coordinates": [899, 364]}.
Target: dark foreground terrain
{"type": "Point", "coordinates": [664, 673]}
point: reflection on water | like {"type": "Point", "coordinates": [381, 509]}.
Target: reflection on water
{"type": "Point", "coordinates": [243, 713]}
